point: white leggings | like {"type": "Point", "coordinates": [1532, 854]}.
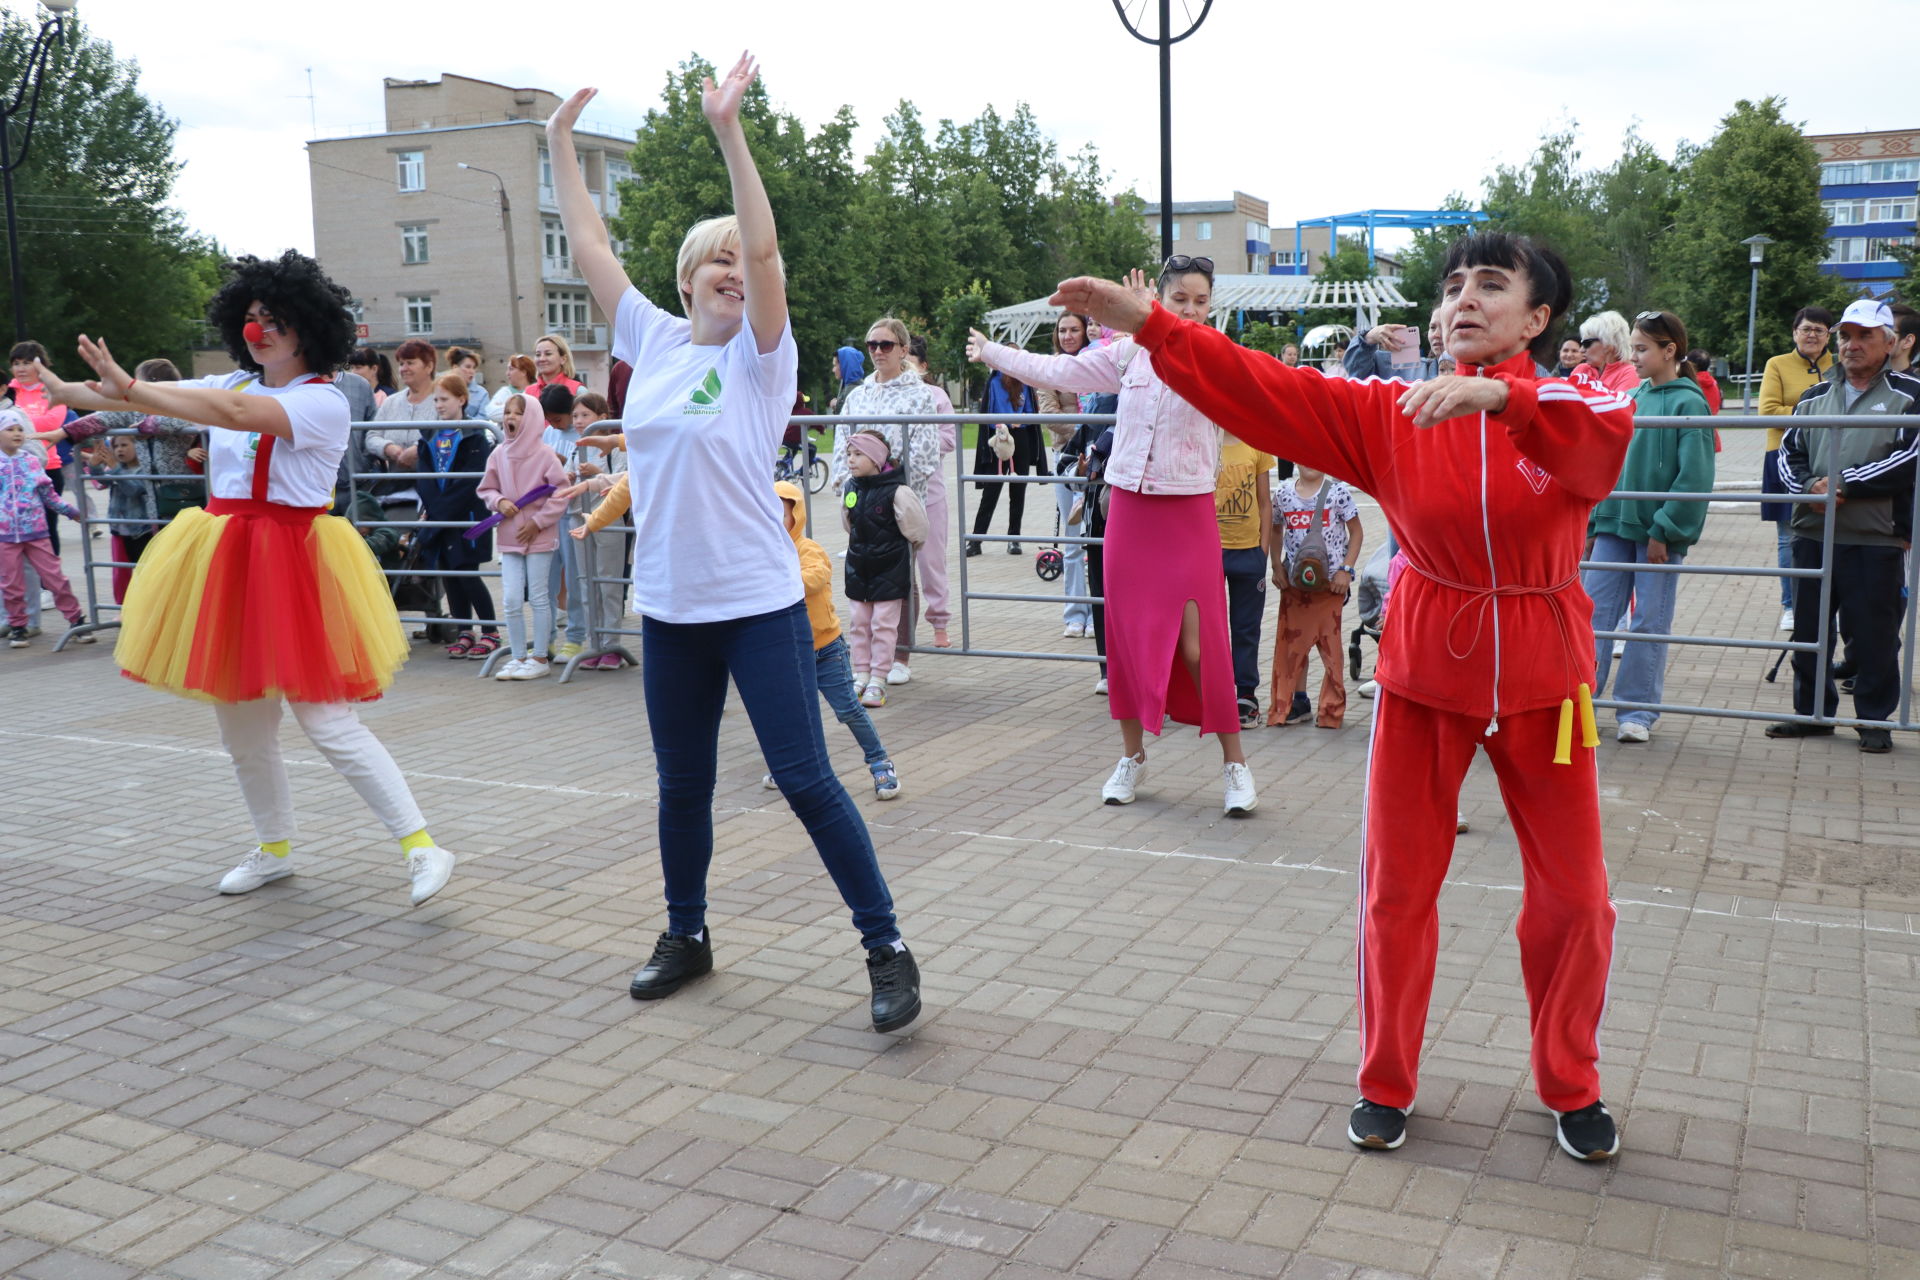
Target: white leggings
{"type": "Point", "coordinates": [251, 733]}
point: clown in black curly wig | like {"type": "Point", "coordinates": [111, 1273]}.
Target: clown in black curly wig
{"type": "Point", "coordinates": [298, 294]}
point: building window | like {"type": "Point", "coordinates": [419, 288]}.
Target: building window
{"type": "Point", "coordinates": [413, 243]}
{"type": "Point", "coordinates": [553, 245]}
{"type": "Point", "coordinates": [1205, 232]}
{"type": "Point", "coordinates": [1839, 172]}
{"type": "Point", "coordinates": [567, 311]}
{"type": "Point", "coordinates": [1844, 213]}
{"type": "Point", "coordinates": [1897, 210]}
{"type": "Point", "coordinates": [1176, 228]}
{"type": "Point", "coordinates": [419, 314]}
{"type": "Point", "coordinates": [618, 171]}
{"type": "Point", "coordinates": [1877, 248]}
{"type": "Point", "coordinates": [412, 167]}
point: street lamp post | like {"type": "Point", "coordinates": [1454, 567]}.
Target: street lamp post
{"type": "Point", "coordinates": [506, 228]}
{"type": "Point", "coordinates": [52, 31]}
{"type": "Point", "coordinates": [1756, 250]}
{"type": "Point", "coordinates": [1165, 39]}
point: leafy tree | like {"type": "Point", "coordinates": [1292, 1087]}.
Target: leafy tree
{"type": "Point", "coordinates": [100, 251]}
{"type": "Point", "coordinates": [962, 309]}
{"type": "Point", "coordinates": [1270, 338]}
{"type": "Point", "coordinates": [1551, 199]}
{"type": "Point", "coordinates": [1758, 175]}
{"type": "Point", "coordinates": [1635, 205]}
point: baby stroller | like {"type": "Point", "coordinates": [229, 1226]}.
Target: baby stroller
{"type": "Point", "coordinates": [1370, 594]}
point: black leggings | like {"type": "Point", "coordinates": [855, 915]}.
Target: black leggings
{"type": "Point", "coordinates": [467, 598]}
{"type": "Point", "coordinates": [59, 478]}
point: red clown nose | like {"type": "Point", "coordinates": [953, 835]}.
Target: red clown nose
{"type": "Point", "coordinates": [253, 333]}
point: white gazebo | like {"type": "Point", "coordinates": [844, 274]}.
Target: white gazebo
{"type": "Point", "coordinates": [1014, 325]}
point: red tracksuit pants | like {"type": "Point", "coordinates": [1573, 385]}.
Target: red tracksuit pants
{"type": "Point", "coordinates": [1418, 757]}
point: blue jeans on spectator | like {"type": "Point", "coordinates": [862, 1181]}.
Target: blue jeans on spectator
{"type": "Point", "coordinates": [769, 656]}
{"type": "Point", "coordinates": [568, 575]}
{"type": "Point", "coordinates": [1643, 671]}
{"type": "Point", "coordinates": [833, 666]}
{"type": "Point", "coordinates": [1074, 581]}
{"type": "Point", "coordinates": [1785, 550]}
{"type": "Point", "coordinates": [1246, 572]}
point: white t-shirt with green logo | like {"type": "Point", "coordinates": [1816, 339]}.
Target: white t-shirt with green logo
{"type": "Point", "coordinates": [702, 427]}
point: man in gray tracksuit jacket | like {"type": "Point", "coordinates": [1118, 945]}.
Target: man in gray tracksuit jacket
{"type": "Point", "coordinates": [1873, 525]}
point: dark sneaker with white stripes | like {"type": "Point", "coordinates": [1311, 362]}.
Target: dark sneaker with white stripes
{"type": "Point", "coordinates": [1589, 1133]}
{"type": "Point", "coordinates": [1377, 1128]}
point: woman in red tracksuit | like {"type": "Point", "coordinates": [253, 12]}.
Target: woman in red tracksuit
{"type": "Point", "coordinates": [1487, 477]}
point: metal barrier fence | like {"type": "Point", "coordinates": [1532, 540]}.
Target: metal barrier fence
{"type": "Point", "coordinates": [603, 634]}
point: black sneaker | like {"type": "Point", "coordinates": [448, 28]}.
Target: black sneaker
{"type": "Point", "coordinates": [676, 961]}
{"type": "Point", "coordinates": [1013, 548]}
{"type": "Point", "coordinates": [16, 637]}
{"type": "Point", "coordinates": [1302, 709]}
{"type": "Point", "coordinates": [1589, 1133]}
{"type": "Point", "coordinates": [896, 988]}
{"type": "Point", "coordinates": [1876, 741]}
{"type": "Point", "coordinates": [1375, 1127]}
{"type": "Point", "coordinates": [973, 548]}
{"type": "Point", "coordinates": [1249, 713]}
{"type": "Point", "coordinates": [1799, 729]}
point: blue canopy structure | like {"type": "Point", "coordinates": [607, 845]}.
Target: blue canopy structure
{"type": "Point", "coordinates": [1373, 220]}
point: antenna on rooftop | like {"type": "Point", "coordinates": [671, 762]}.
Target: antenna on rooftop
{"type": "Point", "coordinates": [313, 114]}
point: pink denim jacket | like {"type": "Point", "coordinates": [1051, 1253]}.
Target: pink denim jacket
{"type": "Point", "coordinates": [1162, 445]}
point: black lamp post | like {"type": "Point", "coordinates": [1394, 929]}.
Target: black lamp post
{"type": "Point", "coordinates": [1165, 39]}
{"type": "Point", "coordinates": [28, 94]}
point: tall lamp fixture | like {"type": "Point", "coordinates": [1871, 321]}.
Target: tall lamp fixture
{"type": "Point", "coordinates": [53, 31]}
{"type": "Point", "coordinates": [506, 229]}
{"type": "Point", "coordinates": [1756, 250]}
{"type": "Point", "coordinates": [1138, 27]}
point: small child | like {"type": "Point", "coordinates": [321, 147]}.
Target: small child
{"type": "Point", "coordinates": [885, 521]}
{"type": "Point", "coordinates": [26, 495]}
{"type": "Point", "coordinates": [1242, 501]}
{"type": "Point", "coordinates": [556, 407]}
{"type": "Point", "coordinates": [132, 511]}
{"type": "Point", "coordinates": [527, 537]}
{"type": "Point", "coordinates": [1311, 619]}
{"type": "Point", "coordinates": [833, 668]}
{"type": "Point", "coordinates": [600, 459]}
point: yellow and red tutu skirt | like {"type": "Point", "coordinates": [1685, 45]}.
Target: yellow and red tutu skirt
{"type": "Point", "coordinates": [249, 599]}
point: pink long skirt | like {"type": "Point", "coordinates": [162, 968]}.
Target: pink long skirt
{"type": "Point", "coordinates": [1161, 552]}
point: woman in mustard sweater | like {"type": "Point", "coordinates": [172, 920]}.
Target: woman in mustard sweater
{"type": "Point", "coordinates": [1785, 381]}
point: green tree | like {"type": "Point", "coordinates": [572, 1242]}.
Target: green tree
{"type": "Point", "coordinates": [1759, 175]}
{"type": "Point", "coordinates": [962, 309]}
{"type": "Point", "coordinates": [1552, 199]}
{"type": "Point", "coordinates": [101, 252]}
{"type": "Point", "coordinates": [1635, 204]}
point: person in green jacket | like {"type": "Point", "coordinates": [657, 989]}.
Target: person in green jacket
{"type": "Point", "coordinates": [1649, 531]}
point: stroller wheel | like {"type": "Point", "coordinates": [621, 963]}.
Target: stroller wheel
{"type": "Point", "coordinates": [1049, 564]}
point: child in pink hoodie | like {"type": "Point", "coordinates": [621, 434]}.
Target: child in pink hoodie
{"type": "Point", "coordinates": [527, 537]}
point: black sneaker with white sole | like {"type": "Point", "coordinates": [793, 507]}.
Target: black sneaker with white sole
{"type": "Point", "coordinates": [1589, 1133]}
{"type": "Point", "coordinates": [1377, 1128]}
{"type": "Point", "coordinates": [676, 961]}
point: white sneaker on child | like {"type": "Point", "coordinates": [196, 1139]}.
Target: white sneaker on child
{"type": "Point", "coordinates": [510, 669]}
{"type": "Point", "coordinates": [899, 674]}
{"type": "Point", "coordinates": [534, 669]}
{"type": "Point", "coordinates": [256, 869]}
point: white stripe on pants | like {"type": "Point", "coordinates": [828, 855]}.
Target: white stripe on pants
{"type": "Point", "coordinates": [251, 733]}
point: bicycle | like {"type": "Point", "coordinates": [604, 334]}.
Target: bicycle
{"type": "Point", "coordinates": [813, 474]}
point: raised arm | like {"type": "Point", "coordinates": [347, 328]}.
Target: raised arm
{"type": "Point", "coordinates": [759, 244]}
{"type": "Point", "coordinates": [586, 232]}
{"type": "Point", "coordinates": [1094, 371]}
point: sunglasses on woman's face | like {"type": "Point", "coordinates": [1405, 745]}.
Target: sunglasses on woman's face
{"type": "Point", "coordinates": [883, 346]}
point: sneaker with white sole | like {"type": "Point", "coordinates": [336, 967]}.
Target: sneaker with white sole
{"type": "Point", "coordinates": [886, 783]}
{"type": "Point", "coordinates": [1587, 1134]}
{"type": "Point", "coordinates": [510, 669]}
{"type": "Point", "coordinates": [899, 674]}
{"type": "Point", "coordinates": [1074, 631]}
{"type": "Point", "coordinates": [874, 696]}
{"type": "Point", "coordinates": [1240, 800]}
{"type": "Point", "coordinates": [429, 869]}
{"type": "Point", "coordinates": [1377, 1127]}
{"type": "Point", "coordinates": [534, 669]}
{"type": "Point", "coordinates": [767, 783]}
{"type": "Point", "coordinates": [1100, 687]}
{"type": "Point", "coordinates": [1370, 688]}
{"type": "Point", "coordinates": [1124, 782]}
{"type": "Point", "coordinates": [1786, 620]}
{"type": "Point", "coordinates": [1619, 649]}
{"type": "Point", "coordinates": [256, 869]}
{"type": "Point", "coordinates": [1632, 731]}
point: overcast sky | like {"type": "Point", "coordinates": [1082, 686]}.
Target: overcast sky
{"type": "Point", "coordinates": [1318, 109]}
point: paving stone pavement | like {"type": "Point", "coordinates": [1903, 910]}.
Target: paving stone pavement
{"type": "Point", "coordinates": [1140, 1045]}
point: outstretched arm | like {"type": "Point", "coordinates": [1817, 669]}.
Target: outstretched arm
{"type": "Point", "coordinates": [114, 388]}
{"type": "Point", "coordinates": [586, 233]}
{"type": "Point", "coordinates": [759, 244]}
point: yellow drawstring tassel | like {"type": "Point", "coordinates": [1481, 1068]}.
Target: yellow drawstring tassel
{"type": "Point", "coordinates": [1589, 735]}
{"type": "Point", "coordinates": [1563, 740]}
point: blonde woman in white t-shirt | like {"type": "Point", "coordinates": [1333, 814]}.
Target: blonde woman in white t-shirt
{"type": "Point", "coordinates": [716, 581]}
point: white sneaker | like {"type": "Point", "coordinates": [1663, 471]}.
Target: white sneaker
{"type": "Point", "coordinates": [899, 674]}
{"type": "Point", "coordinates": [767, 782]}
{"type": "Point", "coordinates": [1100, 687]}
{"type": "Point", "coordinates": [1633, 731]}
{"type": "Point", "coordinates": [1786, 620]}
{"type": "Point", "coordinates": [1368, 689]}
{"type": "Point", "coordinates": [1074, 631]}
{"type": "Point", "coordinates": [47, 601]}
{"type": "Point", "coordinates": [430, 869]}
{"type": "Point", "coordinates": [510, 669]}
{"type": "Point", "coordinates": [1619, 648]}
{"type": "Point", "coordinates": [1240, 799]}
{"type": "Point", "coordinates": [533, 669]}
{"type": "Point", "coordinates": [1126, 777]}
{"type": "Point", "coordinates": [256, 869]}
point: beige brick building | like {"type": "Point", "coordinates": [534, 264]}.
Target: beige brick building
{"type": "Point", "coordinates": [424, 245]}
{"type": "Point", "coordinates": [1232, 232]}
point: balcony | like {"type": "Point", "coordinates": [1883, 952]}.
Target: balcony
{"type": "Point", "coordinates": [583, 337]}
{"type": "Point", "coordinates": [560, 269]}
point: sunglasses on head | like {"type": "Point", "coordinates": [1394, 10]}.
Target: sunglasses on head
{"type": "Point", "coordinates": [883, 345]}
{"type": "Point", "coordinates": [1181, 262]}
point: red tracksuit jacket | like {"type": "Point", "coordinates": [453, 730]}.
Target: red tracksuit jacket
{"type": "Point", "coordinates": [1485, 504]}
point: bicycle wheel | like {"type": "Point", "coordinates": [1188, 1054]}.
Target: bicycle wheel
{"type": "Point", "coordinates": [816, 475]}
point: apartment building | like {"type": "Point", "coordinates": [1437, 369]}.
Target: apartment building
{"type": "Point", "coordinates": [444, 227]}
{"type": "Point", "coordinates": [1232, 232]}
{"type": "Point", "coordinates": [1868, 183]}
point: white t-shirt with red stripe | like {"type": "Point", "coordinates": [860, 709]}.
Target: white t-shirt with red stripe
{"type": "Point", "coordinates": [301, 468]}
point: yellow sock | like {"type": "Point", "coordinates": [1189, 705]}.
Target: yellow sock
{"type": "Point", "coordinates": [278, 848]}
{"type": "Point", "coordinates": [418, 840]}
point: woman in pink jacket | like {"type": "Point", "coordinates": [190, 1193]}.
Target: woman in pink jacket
{"type": "Point", "coordinates": [1168, 653]}
{"type": "Point", "coordinates": [527, 536]}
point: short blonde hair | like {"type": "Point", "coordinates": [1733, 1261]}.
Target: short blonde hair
{"type": "Point", "coordinates": [566, 352]}
{"type": "Point", "coordinates": [1611, 328]}
{"type": "Point", "coordinates": [704, 239]}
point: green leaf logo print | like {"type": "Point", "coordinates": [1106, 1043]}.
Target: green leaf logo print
{"type": "Point", "coordinates": [708, 392]}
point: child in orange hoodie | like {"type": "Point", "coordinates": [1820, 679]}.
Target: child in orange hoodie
{"type": "Point", "coordinates": [832, 662]}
